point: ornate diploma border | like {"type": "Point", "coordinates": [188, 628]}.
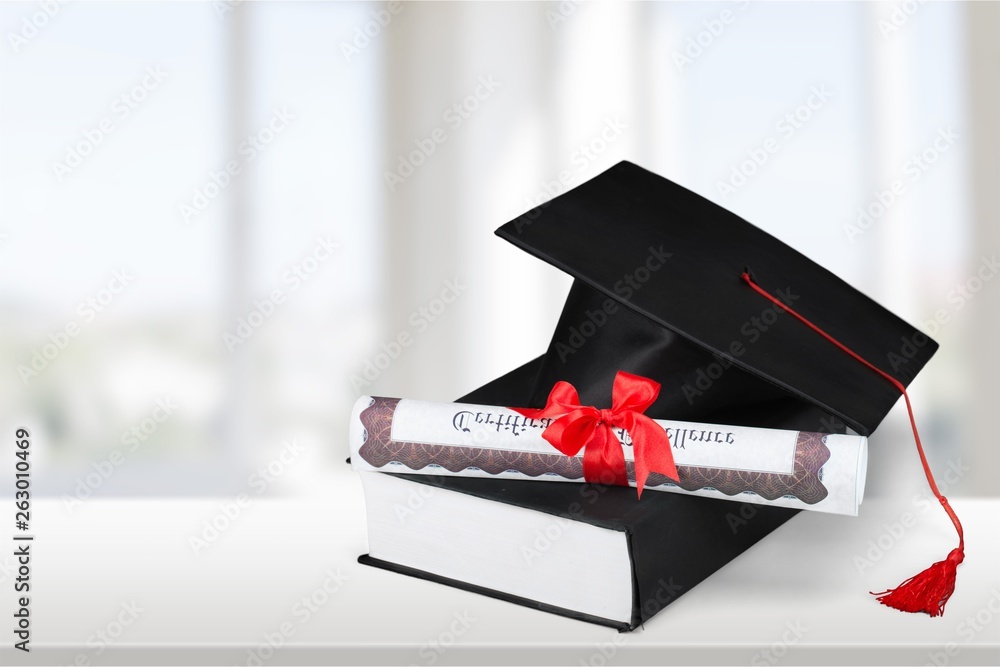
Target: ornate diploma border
{"type": "Point", "coordinates": [379, 449]}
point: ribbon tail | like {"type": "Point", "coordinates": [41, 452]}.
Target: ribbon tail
{"type": "Point", "coordinates": [652, 450]}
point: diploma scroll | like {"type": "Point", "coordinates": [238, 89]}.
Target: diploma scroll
{"type": "Point", "coordinates": [813, 471]}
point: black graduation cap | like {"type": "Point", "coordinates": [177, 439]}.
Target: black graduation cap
{"type": "Point", "coordinates": [658, 293]}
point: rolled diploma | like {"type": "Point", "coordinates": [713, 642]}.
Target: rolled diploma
{"type": "Point", "coordinates": [802, 470]}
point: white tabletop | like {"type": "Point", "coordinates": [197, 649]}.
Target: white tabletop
{"type": "Point", "coordinates": [126, 567]}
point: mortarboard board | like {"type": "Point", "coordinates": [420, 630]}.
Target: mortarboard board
{"type": "Point", "coordinates": [667, 263]}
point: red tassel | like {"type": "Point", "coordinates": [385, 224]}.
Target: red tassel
{"type": "Point", "coordinates": [928, 591]}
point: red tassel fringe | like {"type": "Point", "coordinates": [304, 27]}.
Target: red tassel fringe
{"type": "Point", "coordinates": [928, 591]}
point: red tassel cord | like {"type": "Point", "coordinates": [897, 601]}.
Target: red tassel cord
{"type": "Point", "coordinates": [930, 590]}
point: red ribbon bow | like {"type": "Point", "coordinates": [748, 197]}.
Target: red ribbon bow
{"type": "Point", "coordinates": [583, 426]}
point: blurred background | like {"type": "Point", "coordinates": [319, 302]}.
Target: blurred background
{"type": "Point", "coordinates": [217, 219]}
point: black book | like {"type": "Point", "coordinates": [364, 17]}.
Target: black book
{"type": "Point", "coordinates": [658, 293]}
